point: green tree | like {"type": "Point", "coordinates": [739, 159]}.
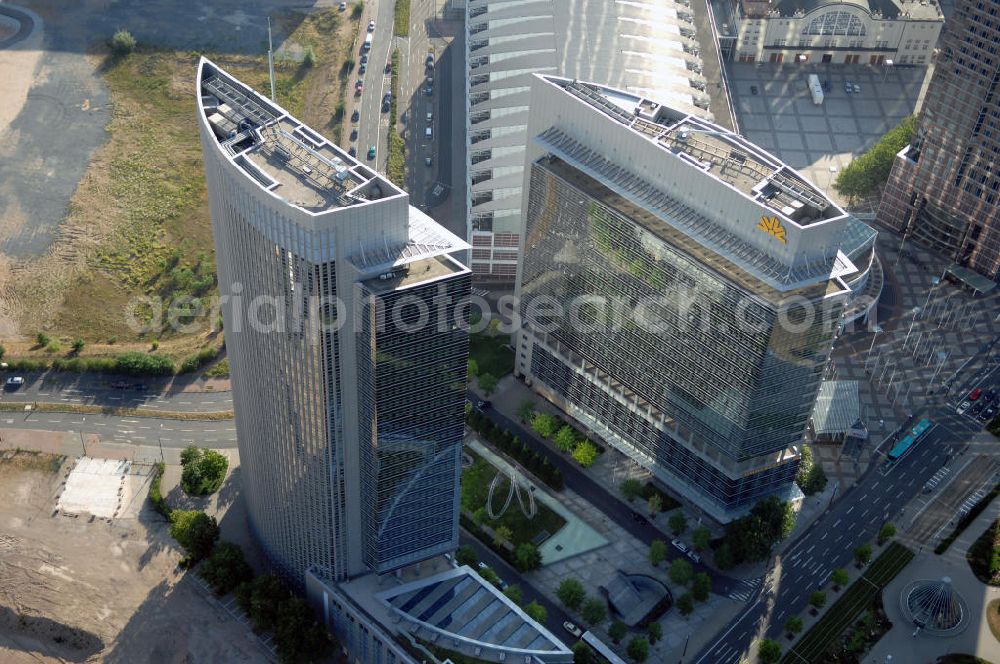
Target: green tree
{"type": "Point", "coordinates": [887, 532]}
{"type": "Point", "coordinates": [751, 537]}
{"type": "Point", "coordinates": [545, 425]}
{"type": "Point", "coordinates": [793, 625]}
{"type": "Point", "coordinates": [617, 631]}
{"type": "Point", "coordinates": [701, 586]}
{"type": "Point", "coordinates": [768, 652]}
{"type": "Point", "coordinates": [655, 631]}
{"type": "Point", "coordinates": [526, 411]}
{"type": "Point", "coordinates": [225, 568]}
{"type": "Point", "coordinates": [594, 610]}
{"type": "Point", "coordinates": [724, 558]}
{"type": "Point", "coordinates": [357, 9]}
{"type": "Point", "coordinates": [536, 611]}
{"type": "Point", "coordinates": [77, 346]}
{"type": "Point", "coordinates": [298, 635]}
{"type": "Point", "coordinates": [817, 599]}
{"type": "Point", "coordinates": [582, 654]}
{"type": "Point", "coordinates": [638, 649]}
{"type": "Point", "coordinates": [571, 593]}
{"type": "Point", "coordinates": [527, 557]}
{"type": "Point", "coordinates": [260, 599]}
{"type": "Point", "coordinates": [513, 593]}
{"type": "Point", "coordinates": [863, 554]}
{"type": "Point", "coordinates": [814, 480]}
{"type": "Point", "coordinates": [701, 537]}
{"type": "Point", "coordinates": [677, 523]}
{"type": "Point", "coordinates": [466, 555]}
{"type": "Point", "coordinates": [657, 552]}
{"type": "Point", "coordinates": [685, 604]}
{"type": "Point", "coordinates": [565, 438]}
{"type": "Point", "coordinates": [487, 383]}
{"type": "Point", "coordinates": [681, 572]}
{"type": "Point", "coordinates": [585, 454]}
{"type": "Point", "coordinates": [203, 471]}
{"type": "Point", "coordinates": [868, 173]}
{"type": "Point", "coordinates": [489, 575]}
{"type": "Point", "coordinates": [655, 504]}
{"type": "Point", "coordinates": [122, 43]}
{"type": "Point", "coordinates": [839, 578]}
{"type": "Point", "coordinates": [195, 531]}
{"type": "Point", "coordinates": [631, 489]}
{"type": "Point", "coordinates": [473, 367]}
{"type": "Point", "coordinates": [501, 535]}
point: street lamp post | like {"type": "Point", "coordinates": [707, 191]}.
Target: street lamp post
{"type": "Point", "coordinates": [934, 282]}
{"type": "Point", "coordinates": [913, 321]}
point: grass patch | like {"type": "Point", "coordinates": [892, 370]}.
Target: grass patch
{"type": "Point", "coordinates": [846, 610]}
{"type": "Point", "coordinates": [984, 555]}
{"type": "Point", "coordinates": [491, 354]}
{"type": "Point", "coordinates": [218, 370]}
{"type": "Point", "coordinates": [475, 489]}
{"type": "Point", "coordinates": [396, 163]}
{"type": "Point", "coordinates": [967, 520]}
{"type": "Point", "coordinates": [401, 18]}
{"type": "Point", "coordinates": [19, 459]}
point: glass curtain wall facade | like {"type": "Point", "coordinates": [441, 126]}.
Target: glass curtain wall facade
{"type": "Point", "coordinates": [680, 366]}
{"type": "Point", "coordinates": [411, 378]}
{"type": "Point", "coordinates": [944, 189]}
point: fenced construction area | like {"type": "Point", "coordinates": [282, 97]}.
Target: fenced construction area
{"type": "Point", "coordinates": [845, 610]}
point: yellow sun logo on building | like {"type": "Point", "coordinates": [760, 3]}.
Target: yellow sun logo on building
{"type": "Point", "coordinates": [773, 227]}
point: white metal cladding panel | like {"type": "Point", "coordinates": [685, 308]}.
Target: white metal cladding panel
{"type": "Point", "coordinates": [285, 415]}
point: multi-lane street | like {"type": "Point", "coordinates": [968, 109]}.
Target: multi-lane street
{"type": "Point", "coordinates": [372, 124]}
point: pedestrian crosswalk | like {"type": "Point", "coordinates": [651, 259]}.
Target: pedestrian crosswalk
{"type": "Point", "coordinates": [745, 589]}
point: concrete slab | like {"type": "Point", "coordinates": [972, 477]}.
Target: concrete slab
{"type": "Point", "coordinates": [96, 487]}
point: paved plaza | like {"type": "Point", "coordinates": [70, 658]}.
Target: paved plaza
{"type": "Point", "coordinates": [821, 140]}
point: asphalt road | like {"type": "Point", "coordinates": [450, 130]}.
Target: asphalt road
{"type": "Point", "coordinates": [373, 123]}
{"type": "Point", "coordinates": [852, 520]}
{"type": "Point", "coordinates": [612, 508]}
{"type": "Point", "coordinates": [100, 391]}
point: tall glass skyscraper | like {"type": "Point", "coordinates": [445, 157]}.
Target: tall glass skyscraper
{"type": "Point", "coordinates": [347, 360]}
{"type": "Point", "coordinates": [680, 290]}
{"type": "Point", "coordinates": [944, 189]}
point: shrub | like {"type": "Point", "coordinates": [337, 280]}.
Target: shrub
{"type": "Point", "coordinates": [154, 345]}
{"type": "Point", "coordinates": [839, 577]}
{"type": "Point", "coordinates": [135, 363]}
{"type": "Point", "coordinates": [585, 454]}
{"type": "Point", "coordinates": [631, 489]}
{"type": "Point", "coordinates": [638, 649]}
{"type": "Point", "coordinates": [793, 625]}
{"type": "Point", "coordinates": [701, 538]}
{"type": "Point", "coordinates": [42, 339]}
{"type": "Point", "coordinates": [655, 631]}
{"type": "Point", "coordinates": [487, 383]}
{"type": "Point", "coordinates": [122, 43]}
{"type": "Point", "coordinates": [53, 347]}
{"type": "Point", "coordinates": [565, 438]}
{"type": "Point", "coordinates": [594, 610]}
{"type": "Point", "coordinates": [226, 568]}
{"type": "Point", "coordinates": [685, 604]}
{"type": "Point", "coordinates": [77, 345]}
{"type": "Point", "coordinates": [863, 554]}
{"type": "Point", "coordinates": [526, 411]}
{"type": "Point", "coordinates": [654, 504]}
{"type": "Point", "coordinates": [680, 572]}
{"type": "Point", "coordinates": [204, 471]}
{"type": "Point", "coordinates": [200, 359]}
{"type": "Point", "coordinates": [357, 9]}
{"type": "Point", "coordinates": [677, 523]}
{"type": "Point", "coordinates": [527, 557]}
{"type": "Point", "coordinates": [298, 635]}
{"type": "Point", "coordinates": [513, 593]}
{"type": "Point", "coordinates": [571, 593]}
{"type": "Point", "coordinates": [195, 531]}
{"type": "Point", "coordinates": [309, 59]}
{"type": "Point", "coordinates": [501, 535]}
{"type": "Point", "coordinates": [536, 611]}
{"type": "Point", "coordinates": [472, 367]}
{"type": "Point", "coordinates": [657, 552]}
{"type": "Point", "coordinates": [617, 631]}
{"type": "Point", "coordinates": [545, 425]}
{"type": "Point", "coordinates": [155, 495]}
{"type": "Point", "coordinates": [3, 351]}
{"type": "Point", "coordinates": [887, 532]}
{"type": "Point", "coordinates": [701, 586]}
{"type": "Point", "coordinates": [768, 652]}
{"type": "Point", "coordinates": [817, 599]}
{"type": "Point", "coordinates": [466, 555]}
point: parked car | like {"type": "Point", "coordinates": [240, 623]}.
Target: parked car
{"type": "Point", "coordinates": [572, 629]}
{"type": "Point", "coordinates": [430, 117]}
{"type": "Point", "coordinates": [353, 151]}
{"type": "Point", "coordinates": [827, 86]}
{"type": "Point", "coordinates": [371, 152]}
{"type": "Point", "coordinates": [354, 134]}
{"type": "Point", "coordinates": [857, 89]}
{"type": "Point", "coordinates": [679, 545]}
{"type": "Point", "coordinates": [364, 58]}
{"type": "Point", "coordinates": [977, 408]}
{"type": "Point", "coordinates": [14, 382]}
{"type": "Point", "coordinates": [139, 387]}
{"type": "Point", "coordinates": [753, 89]}
{"type": "Point", "coordinates": [358, 87]}
{"type": "Point", "coordinates": [430, 60]}
{"type": "Point", "coordinates": [355, 116]}
{"type": "Point", "coordinates": [120, 385]}
{"type": "Point", "coordinates": [848, 88]}
{"type": "Point", "coordinates": [693, 555]}
{"type": "Point", "coordinates": [428, 90]}
{"type": "Point", "coordinates": [371, 26]}
{"type": "Point", "coordinates": [428, 161]}
{"type": "Point", "coordinates": [964, 406]}
{"type": "Point", "coordinates": [975, 394]}
{"type": "Point", "coordinates": [988, 414]}
{"type": "Point", "coordinates": [482, 565]}
{"type": "Point", "coordinates": [482, 404]}
{"type": "Point", "coordinates": [362, 68]}
{"type": "Point", "coordinates": [990, 395]}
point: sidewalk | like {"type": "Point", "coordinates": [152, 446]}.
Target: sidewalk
{"type": "Point", "coordinates": [976, 638]}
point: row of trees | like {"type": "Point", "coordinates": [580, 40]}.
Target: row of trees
{"type": "Point", "coordinates": [868, 173]}
{"type": "Point", "coordinates": [562, 435]}
{"type": "Point", "coordinates": [512, 446]}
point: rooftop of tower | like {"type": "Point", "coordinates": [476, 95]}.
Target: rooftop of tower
{"type": "Point", "coordinates": [280, 153]}
{"type": "Point", "coordinates": [727, 156]}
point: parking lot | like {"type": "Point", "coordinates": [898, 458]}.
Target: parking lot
{"type": "Point", "coordinates": [820, 140]}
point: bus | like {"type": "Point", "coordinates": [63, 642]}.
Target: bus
{"type": "Point", "coordinates": [909, 440]}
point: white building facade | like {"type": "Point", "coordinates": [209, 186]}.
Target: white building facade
{"type": "Point", "coordinates": [644, 47]}
{"type": "Point", "coordinates": [846, 32]}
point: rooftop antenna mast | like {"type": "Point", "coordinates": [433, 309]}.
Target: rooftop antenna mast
{"type": "Point", "coordinates": [270, 58]}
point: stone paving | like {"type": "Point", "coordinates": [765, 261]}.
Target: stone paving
{"type": "Point", "coordinates": [821, 140]}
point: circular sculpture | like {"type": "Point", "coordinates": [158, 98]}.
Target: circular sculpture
{"type": "Point", "coordinates": [934, 607]}
{"type": "Point", "coordinates": [529, 510]}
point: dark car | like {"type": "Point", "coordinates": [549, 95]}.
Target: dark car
{"type": "Point", "coordinates": [139, 387]}
{"type": "Point", "coordinates": [827, 86]}
{"type": "Point", "coordinates": [354, 134]}
{"type": "Point", "coordinates": [753, 89]}
{"type": "Point", "coordinates": [120, 385]}
{"type": "Point", "coordinates": [482, 404]}
{"type": "Point", "coordinates": [977, 408]}
{"type": "Point", "coordinates": [355, 116]}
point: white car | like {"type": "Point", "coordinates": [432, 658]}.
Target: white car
{"type": "Point", "coordinates": [964, 407]}
{"type": "Point", "coordinates": [572, 629]}
{"type": "Point", "coordinates": [679, 545]}
{"type": "Point", "coordinates": [857, 89]}
{"type": "Point", "coordinates": [693, 555]}
{"type": "Point", "coordinates": [14, 382]}
{"type": "Point", "coordinates": [371, 26]}
{"type": "Point", "coordinates": [343, 6]}
{"type": "Point", "coordinates": [483, 565]}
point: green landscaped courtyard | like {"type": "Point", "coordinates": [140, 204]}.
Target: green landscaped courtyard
{"type": "Point", "coordinates": [475, 490]}
{"type": "Point", "coordinates": [491, 353]}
